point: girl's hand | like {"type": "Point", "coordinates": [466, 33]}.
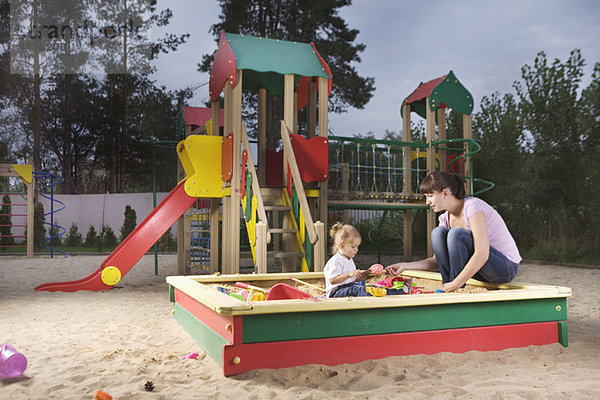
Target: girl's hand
{"type": "Point", "coordinates": [395, 269]}
{"type": "Point", "coordinates": [358, 275]}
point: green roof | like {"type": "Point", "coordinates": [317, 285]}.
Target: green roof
{"type": "Point", "coordinates": [265, 61]}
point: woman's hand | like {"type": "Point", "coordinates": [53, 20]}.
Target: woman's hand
{"type": "Point", "coordinates": [451, 286]}
{"type": "Point", "coordinates": [395, 269]}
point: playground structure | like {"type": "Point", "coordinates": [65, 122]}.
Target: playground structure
{"type": "Point", "coordinates": [284, 200]}
{"type": "Point", "coordinates": [30, 178]}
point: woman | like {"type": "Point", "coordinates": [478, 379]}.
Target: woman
{"type": "Point", "coordinates": [471, 240]}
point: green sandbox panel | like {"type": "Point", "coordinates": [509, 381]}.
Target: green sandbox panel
{"type": "Point", "coordinates": [315, 325]}
{"type": "Point", "coordinates": [563, 336]}
{"type": "Point", "coordinates": [208, 339]}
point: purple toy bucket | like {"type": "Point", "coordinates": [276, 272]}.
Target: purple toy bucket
{"type": "Point", "coordinates": [12, 363]}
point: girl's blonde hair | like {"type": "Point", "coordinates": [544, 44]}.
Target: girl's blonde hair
{"type": "Point", "coordinates": [342, 233]}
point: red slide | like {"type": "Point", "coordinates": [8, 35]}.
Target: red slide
{"type": "Point", "coordinates": [129, 252]}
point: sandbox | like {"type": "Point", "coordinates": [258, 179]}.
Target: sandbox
{"type": "Point", "coordinates": [242, 336]}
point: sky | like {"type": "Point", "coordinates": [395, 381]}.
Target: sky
{"type": "Point", "coordinates": [485, 43]}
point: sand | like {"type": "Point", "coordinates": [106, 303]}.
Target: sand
{"type": "Point", "coordinates": [116, 341]}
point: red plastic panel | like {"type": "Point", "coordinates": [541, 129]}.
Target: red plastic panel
{"type": "Point", "coordinates": [302, 91]}
{"type": "Point", "coordinates": [423, 90]}
{"type": "Point", "coordinates": [198, 116]}
{"type": "Point", "coordinates": [353, 349]}
{"type": "Point", "coordinates": [223, 69]}
{"type": "Point", "coordinates": [312, 156]}
{"type": "Point", "coordinates": [227, 158]}
{"type": "Point", "coordinates": [326, 68]}
{"type": "Point", "coordinates": [274, 168]}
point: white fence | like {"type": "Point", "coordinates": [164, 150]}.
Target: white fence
{"type": "Point", "coordinates": [87, 210]}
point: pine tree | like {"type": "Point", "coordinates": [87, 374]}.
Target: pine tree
{"type": "Point", "coordinates": [5, 223]}
{"type": "Point", "coordinates": [129, 223]}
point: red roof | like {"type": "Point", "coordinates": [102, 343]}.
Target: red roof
{"type": "Point", "coordinates": [198, 116]}
{"type": "Point", "coordinates": [423, 90]}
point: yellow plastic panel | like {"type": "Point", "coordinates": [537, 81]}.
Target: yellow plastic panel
{"type": "Point", "coordinates": [201, 159]}
{"type": "Point", "coordinates": [24, 170]}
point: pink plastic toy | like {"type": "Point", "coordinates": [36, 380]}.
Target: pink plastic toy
{"type": "Point", "coordinates": [12, 363]}
{"type": "Point", "coordinates": [190, 356]}
{"type": "Point", "coordinates": [376, 269]}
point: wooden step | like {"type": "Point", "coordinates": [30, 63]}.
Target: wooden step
{"type": "Point", "coordinates": [271, 191]}
{"type": "Point", "coordinates": [283, 254]}
{"type": "Point", "coordinates": [277, 208]}
{"type": "Point", "coordinates": [283, 230]}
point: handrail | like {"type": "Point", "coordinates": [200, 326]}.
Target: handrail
{"type": "Point", "coordinates": [291, 159]}
{"type": "Point", "coordinates": [386, 142]}
{"type": "Point", "coordinates": [255, 183]}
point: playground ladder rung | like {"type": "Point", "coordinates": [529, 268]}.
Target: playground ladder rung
{"type": "Point", "coordinates": [284, 254]}
{"type": "Point", "coordinates": [13, 236]}
{"type": "Point", "coordinates": [13, 204]}
{"type": "Point", "coordinates": [198, 248]}
{"type": "Point", "coordinates": [13, 215]}
{"type": "Point", "coordinates": [283, 230]}
{"type": "Point", "coordinates": [20, 226]}
{"type": "Point", "coordinates": [277, 208]}
{"type": "Point", "coordinates": [13, 246]}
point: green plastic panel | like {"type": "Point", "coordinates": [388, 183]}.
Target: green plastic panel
{"type": "Point", "coordinates": [264, 61]}
{"type": "Point", "coordinates": [453, 94]}
{"type": "Point", "coordinates": [313, 325]}
{"type": "Point", "coordinates": [208, 339]}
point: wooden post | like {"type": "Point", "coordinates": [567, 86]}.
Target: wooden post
{"type": "Point", "coordinates": [288, 264]}
{"type": "Point", "coordinates": [30, 217]}
{"type": "Point", "coordinates": [214, 203]}
{"type": "Point", "coordinates": [311, 110]}
{"type": "Point", "coordinates": [236, 115]}
{"type": "Point", "coordinates": [320, 248]}
{"type": "Point", "coordinates": [295, 112]}
{"type": "Point", "coordinates": [406, 184]}
{"type": "Point", "coordinates": [181, 246]}
{"type": "Point", "coordinates": [261, 247]}
{"type": "Point", "coordinates": [215, 111]}
{"type": "Point", "coordinates": [323, 132]}
{"type": "Point", "coordinates": [441, 118]}
{"type": "Point", "coordinates": [430, 125]}
{"type": "Point", "coordinates": [226, 247]}
{"type": "Point", "coordinates": [468, 134]}
{"type": "Point", "coordinates": [214, 234]}
{"type": "Point", "coordinates": [262, 135]}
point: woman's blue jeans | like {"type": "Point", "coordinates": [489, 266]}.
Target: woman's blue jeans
{"type": "Point", "coordinates": [454, 247]}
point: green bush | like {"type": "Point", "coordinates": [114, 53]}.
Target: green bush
{"type": "Point", "coordinates": [57, 240]}
{"type": "Point", "coordinates": [129, 223]}
{"type": "Point", "coordinates": [167, 242]}
{"type": "Point", "coordinates": [5, 222]}
{"type": "Point", "coordinates": [91, 238]}
{"type": "Point", "coordinates": [74, 238]}
{"type": "Point", "coordinates": [107, 239]}
{"type": "Point", "coordinates": [39, 231]}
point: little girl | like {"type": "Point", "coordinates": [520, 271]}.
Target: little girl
{"type": "Point", "coordinates": [342, 279]}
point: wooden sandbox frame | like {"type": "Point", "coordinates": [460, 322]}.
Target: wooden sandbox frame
{"type": "Point", "coordinates": [242, 336]}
